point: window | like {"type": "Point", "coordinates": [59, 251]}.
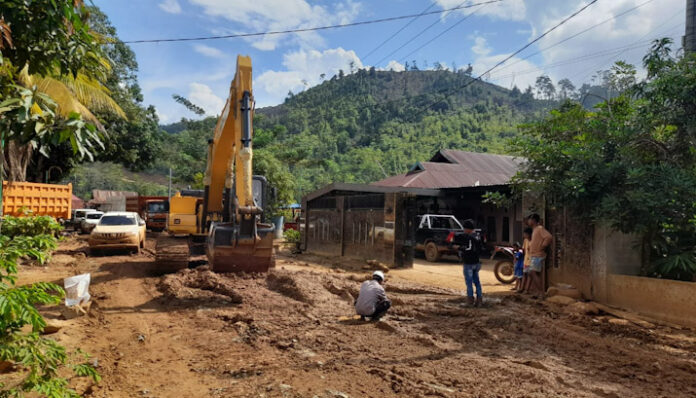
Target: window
{"type": "Point", "coordinates": [157, 207]}
{"type": "Point", "coordinates": [444, 223]}
{"type": "Point", "coordinates": [94, 216]}
{"type": "Point", "coordinates": [118, 220]}
{"type": "Point", "coordinates": [506, 229]}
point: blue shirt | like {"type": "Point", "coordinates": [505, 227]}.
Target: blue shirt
{"type": "Point", "coordinates": [519, 258]}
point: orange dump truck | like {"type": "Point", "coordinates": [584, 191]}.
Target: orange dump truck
{"type": "Point", "coordinates": [152, 209]}
{"type": "Point", "coordinates": [41, 199]}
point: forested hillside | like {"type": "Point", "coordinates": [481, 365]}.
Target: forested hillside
{"type": "Point", "coordinates": [364, 126]}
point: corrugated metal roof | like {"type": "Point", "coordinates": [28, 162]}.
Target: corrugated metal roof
{"type": "Point", "coordinates": [457, 169]}
{"type": "Point", "coordinates": [101, 196]}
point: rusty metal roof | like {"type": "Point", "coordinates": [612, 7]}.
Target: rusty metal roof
{"type": "Point", "coordinates": [101, 196]}
{"type": "Point", "coordinates": [457, 169]}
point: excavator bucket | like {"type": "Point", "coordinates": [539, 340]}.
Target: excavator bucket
{"type": "Point", "coordinates": [228, 251]}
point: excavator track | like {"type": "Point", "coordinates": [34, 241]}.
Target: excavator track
{"type": "Point", "coordinates": [172, 254]}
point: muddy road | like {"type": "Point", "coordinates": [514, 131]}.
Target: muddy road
{"type": "Point", "coordinates": [291, 334]}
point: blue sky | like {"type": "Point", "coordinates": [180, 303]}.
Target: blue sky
{"type": "Point", "coordinates": [202, 70]}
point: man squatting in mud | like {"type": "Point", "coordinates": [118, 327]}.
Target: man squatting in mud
{"type": "Point", "coordinates": [372, 301]}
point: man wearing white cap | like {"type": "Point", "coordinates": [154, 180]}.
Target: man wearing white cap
{"type": "Point", "coordinates": [372, 301]}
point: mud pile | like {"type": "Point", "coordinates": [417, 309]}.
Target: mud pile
{"type": "Point", "coordinates": [199, 284]}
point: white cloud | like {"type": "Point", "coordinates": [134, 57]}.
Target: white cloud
{"type": "Point", "coordinates": [208, 51]}
{"type": "Point", "coordinates": [396, 66]}
{"type": "Point", "coordinates": [163, 117]}
{"type": "Point", "coordinates": [303, 70]}
{"type": "Point", "coordinates": [514, 10]}
{"type": "Point", "coordinates": [625, 37]}
{"type": "Point", "coordinates": [480, 46]}
{"type": "Point", "coordinates": [203, 96]}
{"type": "Point", "coordinates": [170, 6]}
{"type": "Point", "coordinates": [274, 15]}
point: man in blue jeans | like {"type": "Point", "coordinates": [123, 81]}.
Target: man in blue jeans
{"type": "Point", "coordinates": [469, 251]}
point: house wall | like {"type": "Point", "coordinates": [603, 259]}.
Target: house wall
{"type": "Point", "coordinates": [365, 226]}
{"type": "Point", "coordinates": [662, 299]}
{"type": "Point", "coordinates": [604, 266]}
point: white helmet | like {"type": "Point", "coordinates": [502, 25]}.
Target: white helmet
{"type": "Point", "coordinates": [378, 274]}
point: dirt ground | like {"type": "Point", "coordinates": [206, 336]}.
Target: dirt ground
{"type": "Point", "coordinates": [291, 334]}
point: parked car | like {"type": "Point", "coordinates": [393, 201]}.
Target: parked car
{"type": "Point", "coordinates": [90, 221]}
{"type": "Point", "coordinates": [118, 230]}
{"type": "Point", "coordinates": [77, 216]}
{"type": "Point", "coordinates": [435, 235]}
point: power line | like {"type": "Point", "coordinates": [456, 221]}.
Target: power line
{"type": "Point", "coordinates": [299, 30]}
{"type": "Point", "coordinates": [399, 31]}
{"type": "Point", "coordinates": [441, 33]}
{"type": "Point", "coordinates": [585, 57]}
{"type": "Point", "coordinates": [604, 63]}
{"type": "Point", "coordinates": [471, 81]}
{"type": "Point", "coordinates": [578, 34]}
{"type": "Point", "coordinates": [417, 35]}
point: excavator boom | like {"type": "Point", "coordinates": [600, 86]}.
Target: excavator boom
{"type": "Point", "coordinates": [237, 240]}
{"type": "Point", "coordinates": [227, 219]}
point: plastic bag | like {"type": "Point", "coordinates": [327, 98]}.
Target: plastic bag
{"type": "Point", "coordinates": [77, 289]}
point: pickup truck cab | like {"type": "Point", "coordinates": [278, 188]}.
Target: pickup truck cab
{"type": "Point", "coordinates": [90, 221]}
{"type": "Point", "coordinates": [435, 235]}
{"type": "Point", "coordinates": [77, 216]}
{"type": "Point", "coordinates": [118, 230]}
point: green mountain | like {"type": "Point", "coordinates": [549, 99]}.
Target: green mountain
{"type": "Point", "coordinates": [363, 127]}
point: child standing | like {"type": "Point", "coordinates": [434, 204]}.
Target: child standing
{"type": "Point", "coordinates": [519, 265]}
{"type": "Point", "coordinates": [527, 260]}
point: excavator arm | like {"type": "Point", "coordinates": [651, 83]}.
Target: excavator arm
{"type": "Point", "coordinates": [237, 240]}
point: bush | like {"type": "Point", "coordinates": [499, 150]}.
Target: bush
{"type": "Point", "coordinates": [38, 358]}
{"type": "Point", "coordinates": [30, 226]}
{"type": "Point", "coordinates": [292, 236]}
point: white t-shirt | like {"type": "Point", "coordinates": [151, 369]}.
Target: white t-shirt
{"type": "Point", "coordinates": [370, 293]}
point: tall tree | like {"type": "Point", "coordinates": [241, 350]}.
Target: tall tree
{"type": "Point", "coordinates": [545, 88]}
{"type": "Point", "coordinates": [630, 163]}
{"type": "Point", "coordinates": [48, 48]}
{"type": "Point", "coordinates": [567, 89]}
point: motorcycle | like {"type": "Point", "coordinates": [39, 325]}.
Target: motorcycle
{"type": "Point", "coordinates": [504, 269]}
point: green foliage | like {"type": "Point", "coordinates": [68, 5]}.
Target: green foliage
{"type": "Point", "coordinates": [292, 236]}
{"type": "Point", "coordinates": [629, 164]}
{"type": "Point", "coordinates": [38, 358]}
{"type": "Point", "coordinates": [49, 34]}
{"type": "Point", "coordinates": [46, 39]}
{"type": "Point", "coordinates": [361, 128]}
{"type": "Point", "coordinates": [29, 226]}
{"type": "Point", "coordinates": [189, 105]}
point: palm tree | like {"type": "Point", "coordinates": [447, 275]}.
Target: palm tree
{"type": "Point", "coordinates": [79, 94]}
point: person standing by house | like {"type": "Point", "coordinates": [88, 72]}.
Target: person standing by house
{"type": "Point", "coordinates": [518, 255]}
{"type": "Point", "coordinates": [469, 252]}
{"type": "Point", "coordinates": [527, 259]}
{"type": "Point", "coordinates": [541, 240]}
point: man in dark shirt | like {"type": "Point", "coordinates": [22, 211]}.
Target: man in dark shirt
{"type": "Point", "coordinates": [469, 251]}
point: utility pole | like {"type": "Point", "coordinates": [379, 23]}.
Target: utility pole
{"type": "Point", "coordinates": [689, 39]}
{"type": "Point", "coordinates": [170, 183]}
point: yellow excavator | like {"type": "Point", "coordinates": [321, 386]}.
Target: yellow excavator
{"type": "Point", "coordinates": [227, 220]}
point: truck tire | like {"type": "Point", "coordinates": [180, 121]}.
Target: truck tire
{"type": "Point", "coordinates": [432, 253]}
